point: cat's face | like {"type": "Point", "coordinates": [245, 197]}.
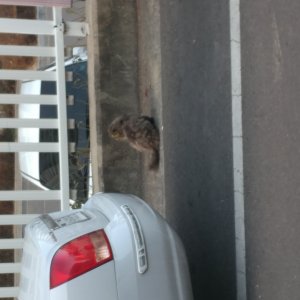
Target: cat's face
{"type": "Point", "coordinates": [117, 134]}
{"type": "Point", "coordinates": [115, 130]}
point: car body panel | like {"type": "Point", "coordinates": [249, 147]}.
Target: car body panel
{"type": "Point", "coordinates": [130, 225]}
{"type": "Point", "coordinates": [166, 254]}
{"type": "Point", "coordinates": [97, 284]}
{"type": "Point", "coordinates": [41, 169]}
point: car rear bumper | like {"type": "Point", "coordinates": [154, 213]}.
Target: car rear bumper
{"type": "Point", "coordinates": [96, 284]}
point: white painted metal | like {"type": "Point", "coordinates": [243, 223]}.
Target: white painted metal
{"type": "Point", "coordinates": [21, 26]}
{"type": "Point", "coordinates": [76, 29]}
{"type": "Point", "coordinates": [51, 3]}
{"type": "Point", "coordinates": [29, 195]}
{"type": "Point", "coordinates": [29, 147]}
{"type": "Point", "coordinates": [26, 51]}
{"type": "Point", "coordinates": [237, 142]}
{"type": "Point", "coordinates": [6, 268]}
{"type": "Point", "coordinates": [58, 29]}
{"type": "Point", "coordinates": [41, 27]}
{"type": "Point", "coordinates": [28, 123]}
{"type": "Point", "coordinates": [61, 108]}
{"type": "Point", "coordinates": [34, 99]}
{"type": "Point", "coordinates": [27, 75]}
{"type": "Point", "coordinates": [11, 243]}
{"type": "Point", "coordinates": [15, 220]}
{"type": "Point", "coordinates": [9, 292]}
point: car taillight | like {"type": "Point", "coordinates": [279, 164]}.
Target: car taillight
{"type": "Point", "coordinates": [79, 256]}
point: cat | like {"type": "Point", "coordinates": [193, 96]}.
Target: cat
{"type": "Point", "coordinates": [141, 134]}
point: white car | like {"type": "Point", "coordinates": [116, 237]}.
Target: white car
{"type": "Point", "coordinates": [114, 248]}
{"type": "Point", "coordinates": [42, 169]}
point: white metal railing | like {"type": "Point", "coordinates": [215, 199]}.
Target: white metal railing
{"type": "Point", "coordinates": [62, 105]}
{"type": "Point", "coordinates": [29, 195]}
{"type": "Point", "coordinates": [58, 29]}
{"type": "Point", "coordinates": [60, 3]}
{"type": "Point", "coordinates": [27, 75]}
{"type": "Point", "coordinates": [30, 99]}
{"type": "Point", "coordinates": [27, 51]}
{"type": "Point", "coordinates": [10, 267]}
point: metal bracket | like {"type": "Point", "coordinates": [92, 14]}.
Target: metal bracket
{"type": "Point", "coordinates": [80, 29]}
{"type": "Point", "coordinates": [61, 26]}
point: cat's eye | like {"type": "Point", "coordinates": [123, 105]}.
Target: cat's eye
{"type": "Point", "coordinates": [115, 133]}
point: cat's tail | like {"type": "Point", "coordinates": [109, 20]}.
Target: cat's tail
{"type": "Point", "coordinates": [154, 160]}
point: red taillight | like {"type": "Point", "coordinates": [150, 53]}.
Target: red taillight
{"type": "Point", "coordinates": [79, 256]}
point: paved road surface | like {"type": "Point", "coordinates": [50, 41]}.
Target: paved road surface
{"type": "Point", "coordinates": [196, 97]}
{"type": "Point", "coordinates": [271, 99]}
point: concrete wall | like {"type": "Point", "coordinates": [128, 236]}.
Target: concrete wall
{"type": "Point", "coordinates": [113, 90]}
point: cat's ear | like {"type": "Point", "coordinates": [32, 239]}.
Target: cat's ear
{"type": "Point", "coordinates": [150, 119]}
{"type": "Point", "coordinates": [124, 118]}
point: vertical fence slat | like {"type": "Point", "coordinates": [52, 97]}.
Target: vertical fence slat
{"type": "Point", "coordinates": [6, 268]}
{"type": "Point", "coordinates": [9, 147]}
{"type": "Point", "coordinates": [51, 3]}
{"type": "Point", "coordinates": [9, 292]}
{"type": "Point", "coordinates": [39, 27]}
{"type": "Point", "coordinates": [16, 220]}
{"type": "Point", "coordinates": [11, 243]}
{"type": "Point", "coordinates": [27, 75]}
{"type": "Point", "coordinates": [22, 26]}
{"type": "Point", "coordinates": [28, 123]}
{"type": "Point", "coordinates": [12, 50]}
{"type": "Point", "coordinates": [29, 195]}
{"type": "Point", "coordinates": [29, 99]}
